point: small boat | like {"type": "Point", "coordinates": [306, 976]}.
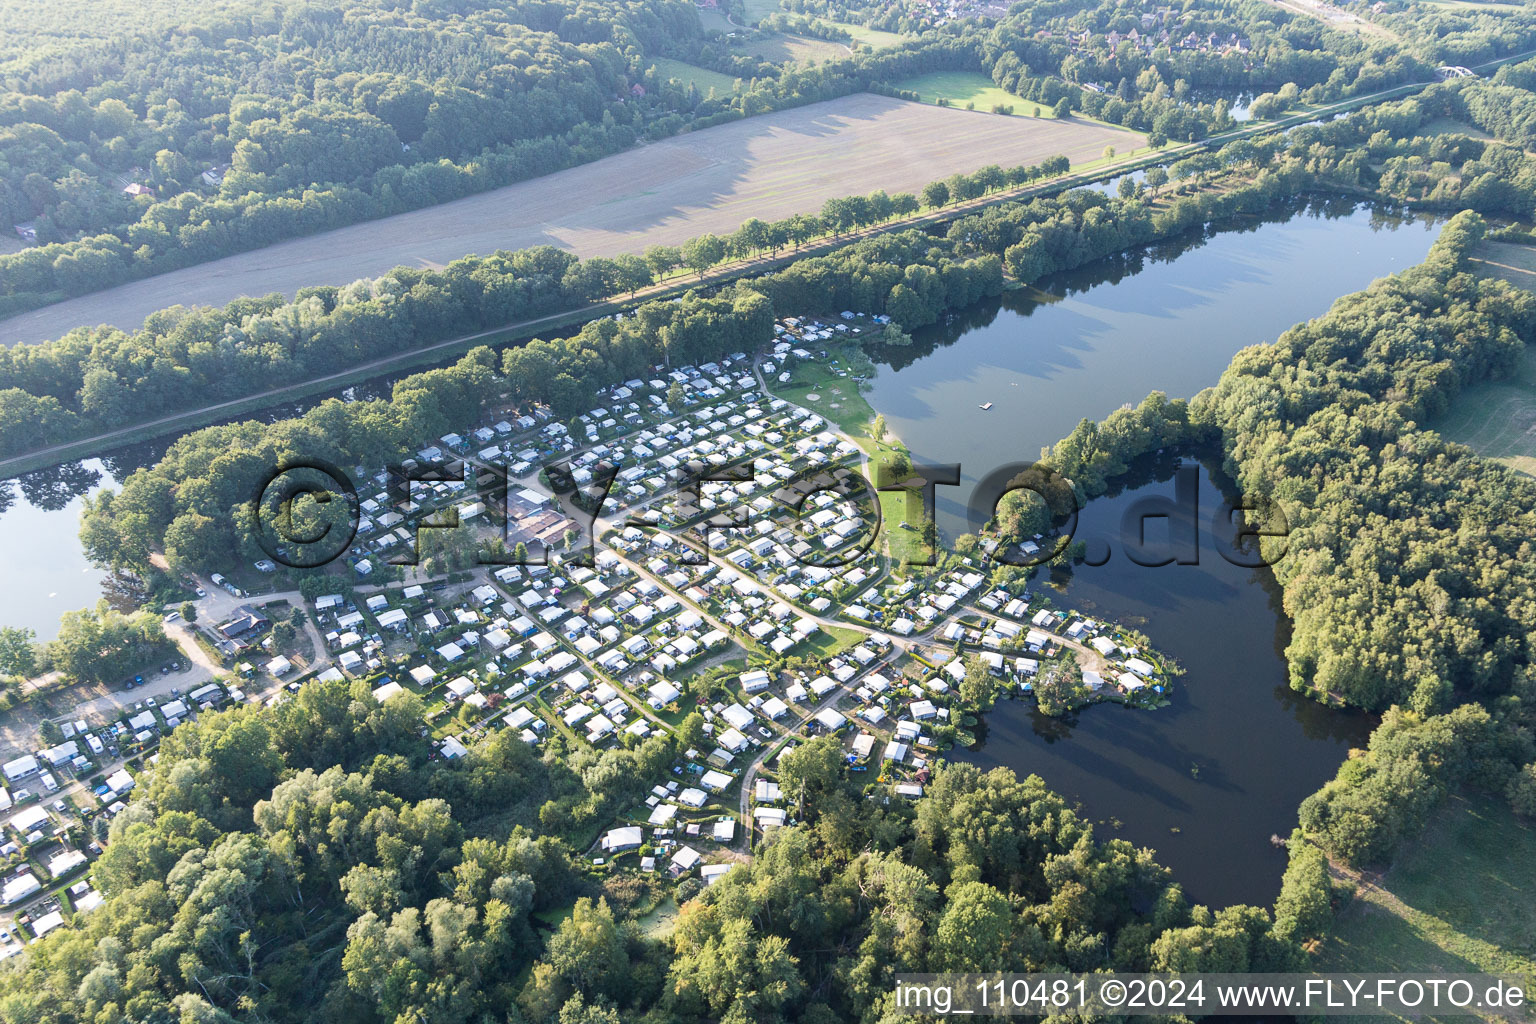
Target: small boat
{"type": "Point", "coordinates": [986, 405]}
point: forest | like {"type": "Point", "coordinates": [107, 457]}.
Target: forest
{"type": "Point", "coordinates": [183, 504]}
{"type": "Point", "coordinates": [131, 153]}
{"type": "Point", "coordinates": [310, 862]}
{"type": "Point", "coordinates": [98, 379]}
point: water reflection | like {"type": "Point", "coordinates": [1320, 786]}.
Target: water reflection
{"type": "Point", "coordinates": [1086, 342]}
{"type": "Point", "coordinates": [1208, 780]}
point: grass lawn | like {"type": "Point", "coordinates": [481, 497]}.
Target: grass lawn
{"type": "Point", "coordinates": [757, 10]}
{"type": "Point", "coordinates": [962, 87]}
{"type": "Point", "coordinates": [854, 415]}
{"type": "Point", "coordinates": [1451, 126]}
{"type": "Point", "coordinates": [877, 38]}
{"type": "Point", "coordinates": [1497, 419]}
{"type": "Point", "coordinates": [703, 78]}
{"type": "Point", "coordinates": [714, 20]}
{"type": "Point", "coordinates": [830, 641]}
{"type": "Point", "coordinates": [897, 508]}
{"type": "Point", "coordinates": [554, 917]}
{"type": "Point", "coordinates": [1457, 900]}
{"type": "Point", "coordinates": [783, 48]}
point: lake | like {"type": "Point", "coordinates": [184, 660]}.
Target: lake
{"type": "Point", "coordinates": [1208, 780]}
{"type": "Point", "coordinates": [46, 572]}
{"type": "Point", "coordinates": [1169, 317]}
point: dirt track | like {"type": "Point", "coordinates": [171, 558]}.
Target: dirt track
{"type": "Point", "coordinates": [709, 181]}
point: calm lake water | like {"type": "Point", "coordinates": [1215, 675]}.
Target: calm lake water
{"type": "Point", "coordinates": [46, 572]}
{"type": "Point", "coordinates": [1166, 318]}
{"type": "Point", "coordinates": [1208, 780]}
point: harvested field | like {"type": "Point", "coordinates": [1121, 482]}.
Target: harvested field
{"type": "Point", "coordinates": [770, 166]}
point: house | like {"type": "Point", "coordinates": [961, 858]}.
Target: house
{"type": "Point", "coordinates": [64, 862]}
{"type": "Point", "coordinates": [618, 840]}
{"type": "Point", "coordinates": [714, 781]}
{"type": "Point", "coordinates": [279, 666]}
{"type": "Point", "coordinates": [755, 681]}
{"type": "Point", "coordinates": [29, 820]}
{"type": "Point", "coordinates": [830, 720]}
{"type": "Point", "coordinates": [19, 888]}
{"type": "Point", "coordinates": [685, 859]}
{"type": "Point", "coordinates": [738, 716]}
{"type": "Point", "coordinates": [20, 768]}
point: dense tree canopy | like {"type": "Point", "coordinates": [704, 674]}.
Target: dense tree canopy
{"type": "Point", "coordinates": [310, 863]}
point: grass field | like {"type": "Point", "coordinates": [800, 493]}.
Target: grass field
{"type": "Point", "coordinates": [703, 78]}
{"type": "Point", "coordinates": [757, 10]}
{"type": "Point", "coordinates": [1511, 261]}
{"type": "Point", "coordinates": [1457, 900]}
{"type": "Point", "coordinates": [962, 87]}
{"type": "Point", "coordinates": [1498, 419]}
{"type": "Point", "coordinates": [770, 166]}
{"type": "Point", "coordinates": [870, 36]}
{"type": "Point", "coordinates": [1451, 126]}
{"type": "Point", "coordinates": [782, 48]}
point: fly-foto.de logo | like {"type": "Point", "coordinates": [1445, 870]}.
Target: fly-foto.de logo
{"type": "Point", "coordinates": [307, 513]}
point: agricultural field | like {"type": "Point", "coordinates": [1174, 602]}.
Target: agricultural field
{"type": "Point", "coordinates": [962, 87]}
{"type": "Point", "coordinates": [703, 78]}
{"type": "Point", "coordinates": [1452, 901]}
{"type": "Point", "coordinates": [769, 166]}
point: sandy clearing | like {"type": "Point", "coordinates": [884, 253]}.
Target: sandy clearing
{"type": "Point", "coordinates": [709, 181]}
